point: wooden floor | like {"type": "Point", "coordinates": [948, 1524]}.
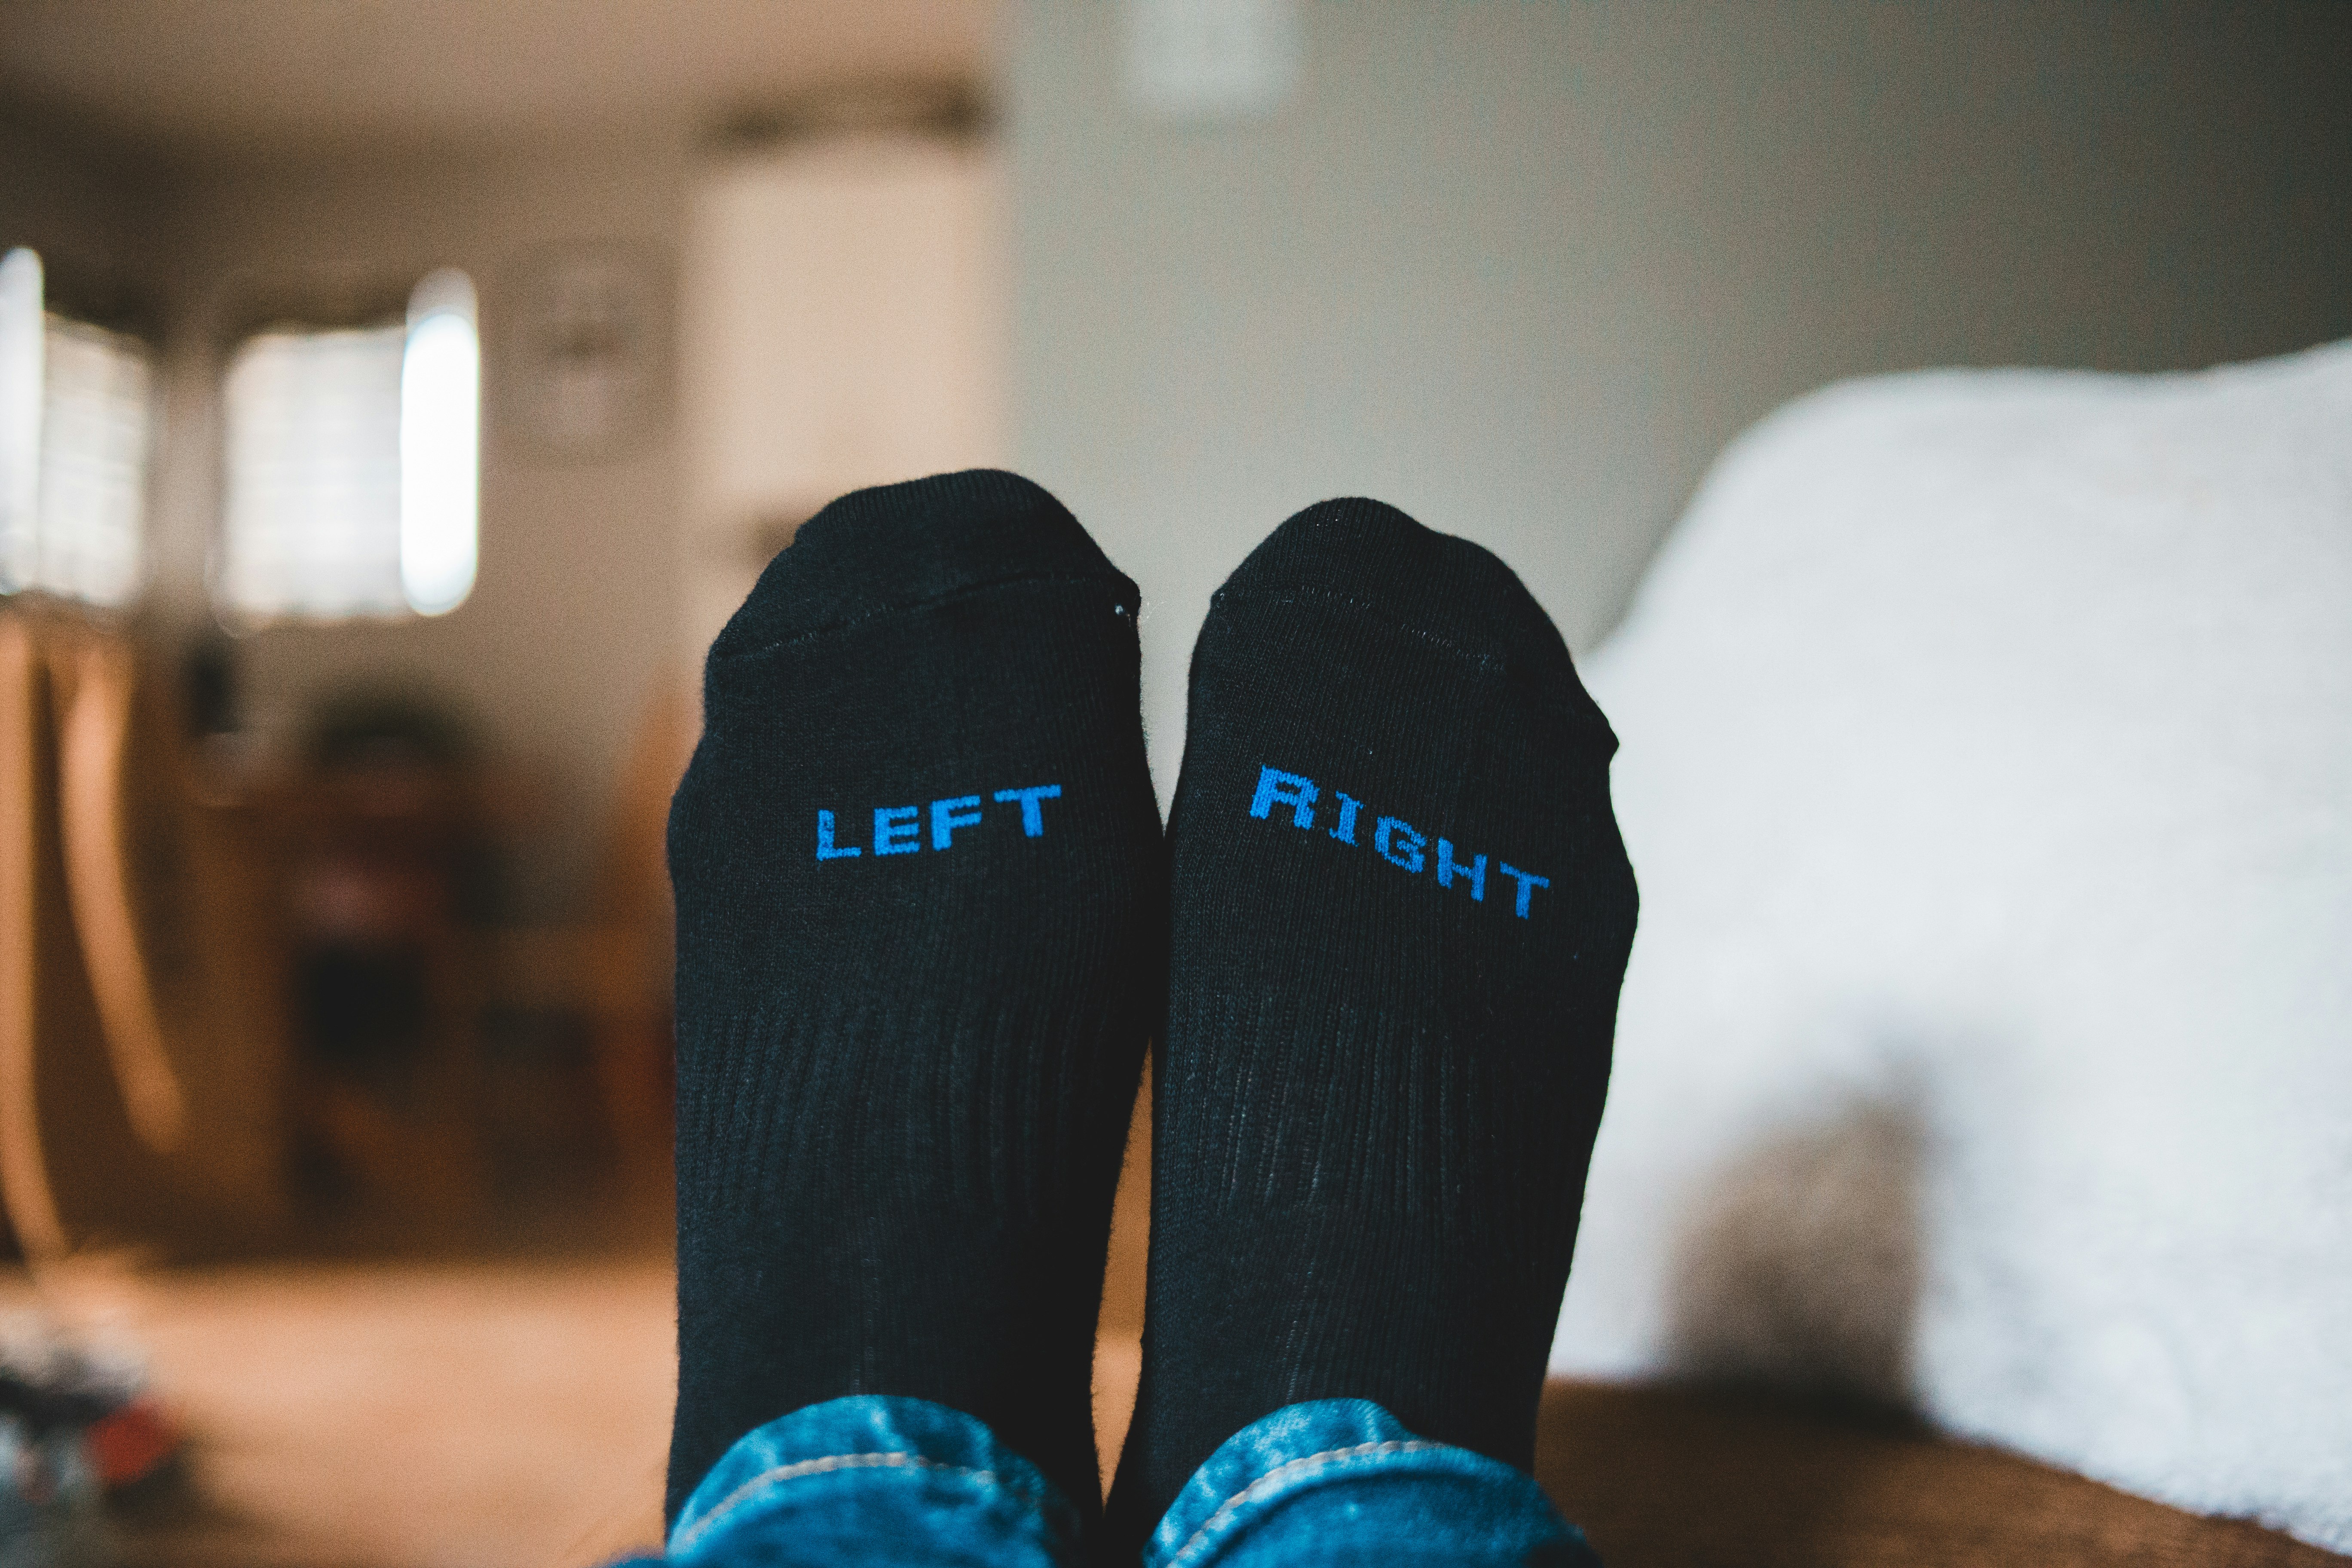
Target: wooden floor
{"type": "Point", "coordinates": [515, 1414]}
{"type": "Point", "coordinates": [410, 1415]}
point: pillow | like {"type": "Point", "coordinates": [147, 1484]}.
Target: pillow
{"type": "Point", "coordinates": [1987, 1046]}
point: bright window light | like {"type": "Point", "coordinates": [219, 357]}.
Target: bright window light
{"type": "Point", "coordinates": [440, 442]}
{"type": "Point", "coordinates": [21, 372]}
{"type": "Point", "coordinates": [312, 509]}
{"type": "Point", "coordinates": [76, 406]}
{"type": "Point", "coordinates": [353, 465]}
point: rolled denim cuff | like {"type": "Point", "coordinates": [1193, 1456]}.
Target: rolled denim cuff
{"type": "Point", "coordinates": [875, 1478]}
{"type": "Point", "coordinates": [1342, 1479]}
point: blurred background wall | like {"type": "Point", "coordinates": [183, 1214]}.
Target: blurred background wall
{"type": "Point", "coordinates": [59, 201]}
{"type": "Point", "coordinates": [571, 619]}
{"type": "Point", "coordinates": [1520, 268]}
{"type": "Point", "coordinates": [1523, 269]}
{"type": "Point", "coordinates": [229, 162]}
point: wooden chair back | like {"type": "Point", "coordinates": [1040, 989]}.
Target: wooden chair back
{"type": "Point", "coordinates": [143, 1052]}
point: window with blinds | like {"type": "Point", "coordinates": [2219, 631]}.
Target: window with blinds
{"type": "Point", "coordinates": [77, 411]}
{"type": "Point", "coordinates": [352, 465]}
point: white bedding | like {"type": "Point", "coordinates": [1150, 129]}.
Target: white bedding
{"type": "Point", "coordinates": [1988, 1041]}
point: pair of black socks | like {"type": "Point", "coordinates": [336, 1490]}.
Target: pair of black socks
{"type": "Point", "coordinates": [928, 920]}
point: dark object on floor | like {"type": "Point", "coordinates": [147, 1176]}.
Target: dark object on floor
{"type": "Point", "coordinates": [1672, 1478]}
{"type": "Point", "coordinates": [75, 1418]}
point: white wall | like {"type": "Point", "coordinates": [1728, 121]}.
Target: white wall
{"type": "Point", "coordinates": [1523, 269]}
{"type": "Point", "coordinates": [843, 309]}
{"type": "Point", "coordinates": [573, 616]}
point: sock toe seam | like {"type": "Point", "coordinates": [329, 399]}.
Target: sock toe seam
{"type": "Point", "coordinates": [1496, 665]}
{"type": "Point", "coordinates": [1485, 662]}
{"type": "Point", "coordinates": [880, 612]}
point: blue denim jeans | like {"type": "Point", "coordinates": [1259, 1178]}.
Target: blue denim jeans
{"type": "Point", "coordinates": [875, 1479]}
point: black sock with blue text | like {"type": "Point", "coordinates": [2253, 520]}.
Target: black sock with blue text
{"type": "Point", "coordinates": [920, 913]}
{"type": "Point", "coordinates": [1400, 912]}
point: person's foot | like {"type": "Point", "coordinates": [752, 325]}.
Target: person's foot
{"type": "Point", "coordinates": [919, 914]}
{"type": "Point", "coordinates": [1400, 914]}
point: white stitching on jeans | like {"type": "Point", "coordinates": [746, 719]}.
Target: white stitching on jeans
{"type": "Point", "coordinates": [1280, 1473]}
{"type": "Point", "coordinates": [816, 1468]}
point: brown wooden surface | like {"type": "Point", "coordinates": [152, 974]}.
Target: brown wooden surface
{"type": "Point", "coordinates": [1667, 1478]}
{"type": "Point", "coordinates": [140, 1037]}
{"type": "Point", "coordinates": [515, 1412]}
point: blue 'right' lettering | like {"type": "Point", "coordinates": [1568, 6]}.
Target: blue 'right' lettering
{"type": "Point", "coordinates": [1386, 836]}
{"type": "Point", "coordinates": [1293, 790]}
{"type": "Point", "coordinates": [1528, 882]}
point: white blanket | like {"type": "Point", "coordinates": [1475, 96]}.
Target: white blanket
{"type": "Point", "coordinates": [1988, 1042]}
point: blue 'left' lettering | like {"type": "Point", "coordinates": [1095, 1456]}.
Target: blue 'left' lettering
{"type": "Point", "coordinates": [895, 831]}
{"type": "Point", "coordinates": [825, 849]}
{"type": "Point", "coordinates": [1032, 816]}
{"type": "Point", "coordinates": [947, 816]}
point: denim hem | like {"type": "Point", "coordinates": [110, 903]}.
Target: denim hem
{"type": "Point", "coordinates": [1293, 1473]}
{"type": "Point", "coordinates": [719, 1511]}
{"type": "Point", "coordinates": [1345, 1476]}
{"type": "Point", "coordinates": [851, 1477]}
{"type": "Point", "coordinates": [874, 1479]}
